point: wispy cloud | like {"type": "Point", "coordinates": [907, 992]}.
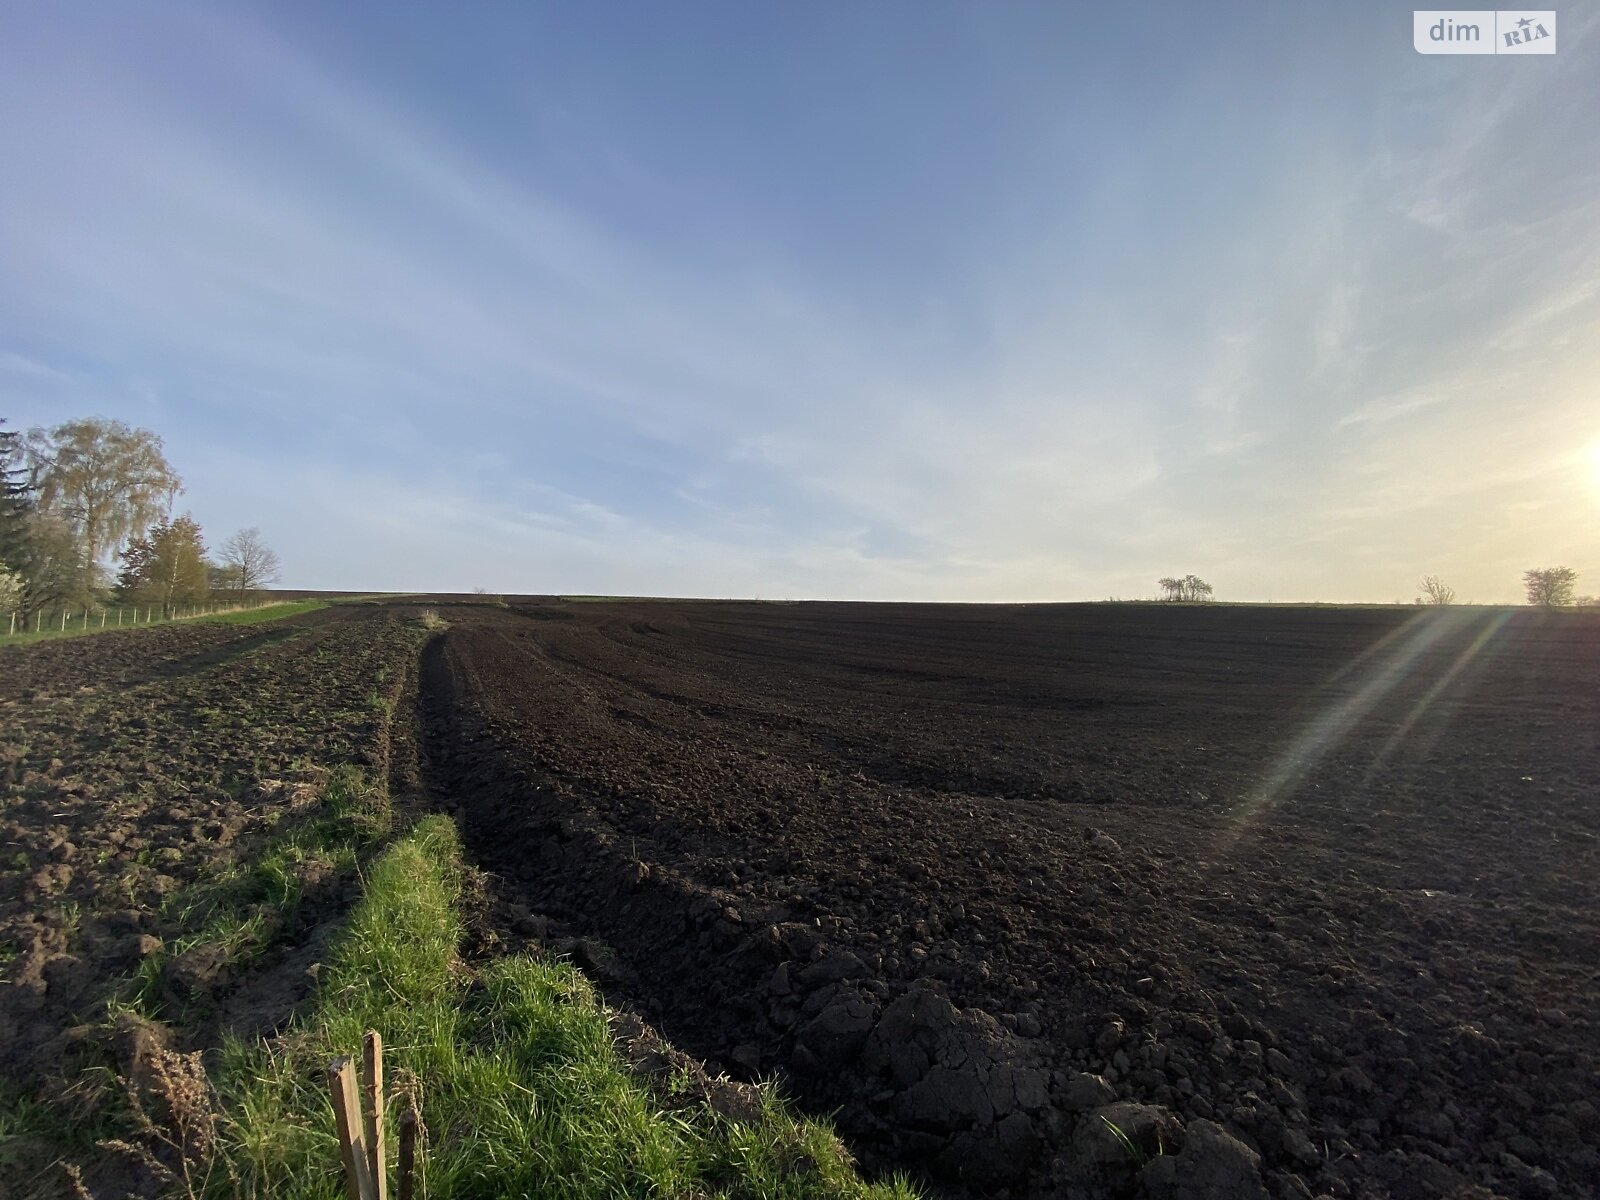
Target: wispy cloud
{"type": "Point", "coordinates": [1237, 341]}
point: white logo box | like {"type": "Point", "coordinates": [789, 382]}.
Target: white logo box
{"type": "Point", "coordinates": [1484, 31]}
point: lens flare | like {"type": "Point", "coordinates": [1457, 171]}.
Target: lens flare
{"type": "Point", "coordinates": [1367, 681]}
{"type": "Point", "coordinates": [1466, 659]}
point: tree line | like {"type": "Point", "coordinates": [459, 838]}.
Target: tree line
{"type": "Point", "coordinates": [86, 517]}
{"type": "Point", "coordinates": [1545, 587]}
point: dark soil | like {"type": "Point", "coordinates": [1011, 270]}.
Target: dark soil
{"type": "Point", "coordinates": [1308, 899]}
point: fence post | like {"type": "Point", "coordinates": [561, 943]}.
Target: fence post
{"type": "Point", "coordinates": [347, 1116]}
{"type": "Point", "coordinates": [372, 1086]}
{"type": "Point", "coordinates": [406, 1175]}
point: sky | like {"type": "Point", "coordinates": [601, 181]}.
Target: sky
{"type": "Point", "coordinates": [898, 300]}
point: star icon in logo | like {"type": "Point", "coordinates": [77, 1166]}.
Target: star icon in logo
{"type": "Point", "coordinates": [1525, 22]}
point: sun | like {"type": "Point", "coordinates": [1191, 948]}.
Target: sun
{"type": "Point", "coordinates": [1594, 464]}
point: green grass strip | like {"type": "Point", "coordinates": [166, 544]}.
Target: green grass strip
{"type": "Point", "coordinates": [517, 1078]}
{"type": "Point", "coordinates": [270, 612]}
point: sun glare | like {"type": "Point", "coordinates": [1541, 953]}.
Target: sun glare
{"type": "Point", "coordinates": [1594, 465]}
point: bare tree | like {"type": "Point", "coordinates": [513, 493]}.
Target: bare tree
{"type": "Point", "coordinates": [1550, 587]}
{"type": "Point", "coordinates": [1435, 591]}
{"type": "Point", "coordinates": [104, 478]}
{"type": "Point", "coordinates": [248, 563]}
{"type": "Point", "coordinates": [1189, 588]}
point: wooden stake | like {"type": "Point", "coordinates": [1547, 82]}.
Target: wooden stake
{"type": "Point", "coordinates": [407, 1181]}
{"type": "Point", "coordinates": [372, 1085]}
{"type": "Point", "coordinates": [347, 1117]}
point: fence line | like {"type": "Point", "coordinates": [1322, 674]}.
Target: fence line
{"type": "Point", "coordinates": [81, 620]}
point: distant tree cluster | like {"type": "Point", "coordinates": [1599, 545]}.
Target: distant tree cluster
{"type": "Point", "coordinates": [79, 495]}
{"type": "Point", "coordinates": [1189, 588]}
{"type": "Point", "coordinates": [1545, 587]}
{"type": "Point", "coordinates": [165, 567]}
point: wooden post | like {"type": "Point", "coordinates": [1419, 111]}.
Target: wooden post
{"type": "Point", "coordinates": [102, 618]}
{"type": "Point", "coordinates": [347, 1117]}
{"type": "Point", "coordinates": [407, 1174]}
{"type": "Point", "coordinates": [372, 1086]}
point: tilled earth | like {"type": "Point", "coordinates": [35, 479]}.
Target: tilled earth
{"type": "Point", "coordinates": [134, 764]}
{"type": "Point", "coordinates": [1100, 901]}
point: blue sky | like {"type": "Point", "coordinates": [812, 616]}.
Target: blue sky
{"type": "Point", "coordinates": [893, 300]}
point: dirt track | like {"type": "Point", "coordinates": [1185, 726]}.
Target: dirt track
{"type": "Point", "coordinates": [1329, 878]}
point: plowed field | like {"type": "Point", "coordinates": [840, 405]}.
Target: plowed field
{"type": "Point", "coordinates": [1327, 878]}
{"type": "Point", "coordinates": [135, 765]}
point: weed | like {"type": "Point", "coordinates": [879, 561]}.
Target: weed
{"type": "Point", "coordinates": [34, 1134]}
{"type": "Point", "coordinates": [1139, 1157]}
